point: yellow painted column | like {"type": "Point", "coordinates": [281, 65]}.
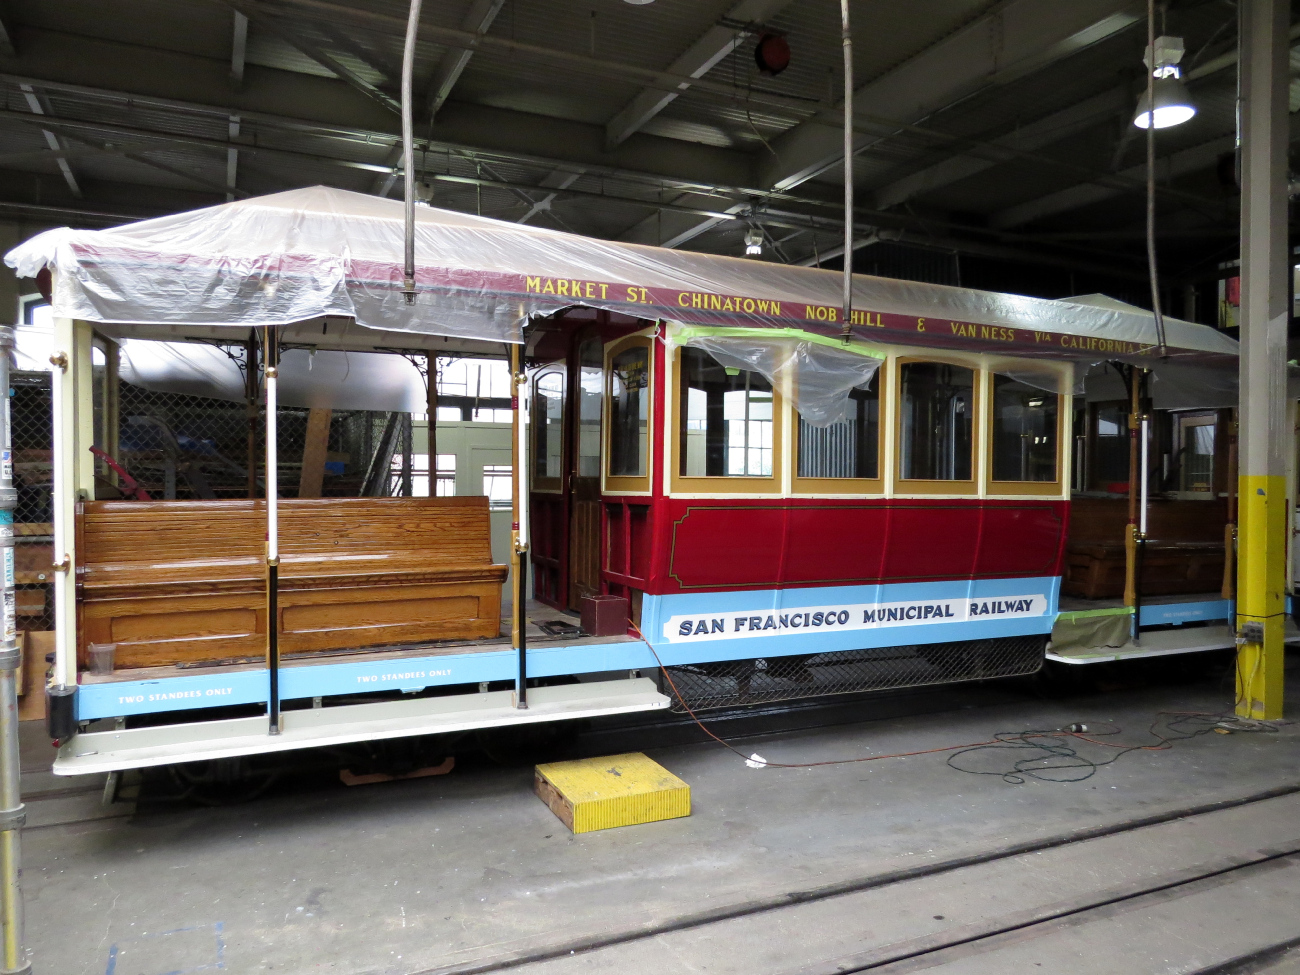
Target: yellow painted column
{"type": "Point", "coordinates": [1261, 596]}
{"type": "Point", "coordinates": [1263, 437]}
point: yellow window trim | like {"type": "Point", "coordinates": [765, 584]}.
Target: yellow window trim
{"type": "Point", "coordinates": [907, 486]}
{"type": "Point", "coordinates": [540, 484]}
{"type": "Point", "coordinates": [694, 484]}
{"type": "Point", "coordinates": [623, 483]}
{"type": "Point", "coordinates": [846, 485]}
{"type": "Point", "coordinates": [1053, 488]}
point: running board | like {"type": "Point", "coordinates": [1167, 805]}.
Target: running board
{"type": "Point", "coordinates": [1161, 643]}
{"type": "Point", "coordinates": [108, 751]}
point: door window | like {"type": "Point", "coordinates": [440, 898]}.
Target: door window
{"type": "Point", "coordinates": [629, 410]}
{"type": "Point", "coordinates": [591, 387]}
{"type": "Point", "coordinates": [548, 429]}
{"type": "Point", "coordinates": [1196, 454]}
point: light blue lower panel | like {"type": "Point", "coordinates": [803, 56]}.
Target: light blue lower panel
{"type": "Point", "coordinates": [722, 626]}
{"type": "Point", "coordinates": [1163, 614]}
{"type": "Point", "coordinates": [191, 691]}
{"type": "Point", "coordinates": [697, 627]}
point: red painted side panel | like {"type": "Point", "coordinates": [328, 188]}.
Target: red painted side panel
{"type": "Point", "coordinates": [825, 551]}
{"type": "Point", "coordinates": [1022, 541]}
{"type": "Point", "coordinates": [752, 544]}
{"type": "Point", "coordinates": [935, 540]}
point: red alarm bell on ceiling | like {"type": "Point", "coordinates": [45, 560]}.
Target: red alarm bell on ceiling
{"type": "Point", "coordinates": [772, 54]}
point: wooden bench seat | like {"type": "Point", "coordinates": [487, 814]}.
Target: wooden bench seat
{"type": "Point", "coordinates": [181, 581]}
{"type": "Point", "coordinates": [1184, 551]}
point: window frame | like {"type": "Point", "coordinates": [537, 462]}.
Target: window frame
{"type": "Point", "coordinates": [1052, 488]}
{"type": "Point", "coordinates": [854, 486]}
{"type": "Point", "coordinates": [917, 486]}
{"type": "Point", "coordinates": [624, 484]}
{"type": "Point", "coordinates": [1200, 418]}
{"type": "Point", "coordinates": [727, 485]}
{"type": "Point", "coordinates": [537, 482]}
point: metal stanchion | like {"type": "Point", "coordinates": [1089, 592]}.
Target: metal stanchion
{"type": "Point", "coordinates": [13, 956]}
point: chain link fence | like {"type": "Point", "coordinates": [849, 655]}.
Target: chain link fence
{"type": "Point", "coordinates": [30, 423]}
{"type": "Point", "coordinates": [176, 446]}
{"type": "Point", "coordinates": [766, 679]}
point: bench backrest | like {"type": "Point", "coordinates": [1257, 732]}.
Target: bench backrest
{"type": "Point", "coordinates": [1101, 521]}
{"type": "Point", "coordinates": [225, 540]}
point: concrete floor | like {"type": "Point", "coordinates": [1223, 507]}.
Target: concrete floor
{"type": "Point", "coordinates": [470, 869]}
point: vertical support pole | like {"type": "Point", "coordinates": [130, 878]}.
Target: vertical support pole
{"type": "Point", "coordinates": [1130, 530]}
{"type": "Point", "coordinates": [1263, 69]}
{"type": "Point", "coordinates": [63, 503]}
{"type": "Point", "coordinates": [315, 448]}
{"type": "Point", "coordinates": [112, 403]}
{"type": "Point", "coordinates": [272, 363]}
{"type": "Point", "coordinates": [13, 955]}
{"type": "Point", "coordinates": [408, 457]}
{"type": "Point", "coordinates": [250, 397]}
{"type": "Point", "coordinates": [519, 526]}
{"type": "Point", "coordinates": [431, 395]}
{"type": "Point", "coordinates": [1230, 527]}
{"type": "Point", "coordinates": [1144, 475]}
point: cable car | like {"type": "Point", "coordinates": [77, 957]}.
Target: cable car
{"type": "Point", "coordinates": [716, 482]}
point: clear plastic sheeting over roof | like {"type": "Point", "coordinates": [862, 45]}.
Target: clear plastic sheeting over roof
{"type": "Point", "coordinates": [313, 252]}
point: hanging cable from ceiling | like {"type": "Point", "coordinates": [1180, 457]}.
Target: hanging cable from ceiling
{"type": "Point", "coordinates": [1152, 269]}
{"type": "Point", "coordinates": [847, 38]}
{"type": "Point", "coordinates": [408, 150]}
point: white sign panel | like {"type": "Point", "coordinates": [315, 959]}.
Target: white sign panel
{"type": "Point", "coordinates": [856, 616]}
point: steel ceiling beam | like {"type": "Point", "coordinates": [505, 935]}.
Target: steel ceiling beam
{"type": "Point", "coordinates": [1015, 38]}
{"type": "Point", "coordinates": [355, 135]}
{"type": "Point", "coordinates": [559, 180]}
{"type": "Point", "coordinates": [1039, 133]}
{"type": "Point", "coordinates": [1012, 40]}
{"type": "Point", "coordinates": [477, 20]}
{"type": "Point", "coordinates": [268, 20]}
{"type": "Point", "coordinates": [1035, 135]}
{"type": "Point", "coordinates": [875, 125]}
{"type": "Point", "coordinates": [40, 105]}
{"type": "Point", "coordinates": [699, 59]}
{"type": "Point", "coordinates": [1072, 198]}
{"type": "Point", "coordinates": [7, 47]}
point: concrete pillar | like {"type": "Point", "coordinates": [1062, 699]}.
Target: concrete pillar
{"type": "Point", "coordinates": [1265, 296]}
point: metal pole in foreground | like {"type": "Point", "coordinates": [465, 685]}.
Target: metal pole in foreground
{"type": "Point", "coordinates": [1265, 300]}
{"type": "Point", "coordinates": [519, 535]}
{"type": "Point", "coordinates": [271, 359]}
{"type": "Point", "coordinates": [13, 956]}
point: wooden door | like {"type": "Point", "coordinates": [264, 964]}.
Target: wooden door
{"type": "Point", "coordinates": [584, 476]}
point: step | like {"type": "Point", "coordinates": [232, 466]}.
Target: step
{"type": "Point", "coordinates": [104, 751]}
{"type": "Point", "coordinates": [1160, 643]}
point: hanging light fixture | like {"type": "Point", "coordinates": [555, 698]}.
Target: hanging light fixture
{"type": "Point", "coordinates": [1173, 105]}
{"type": "Point", "coordinates": [753, 242]}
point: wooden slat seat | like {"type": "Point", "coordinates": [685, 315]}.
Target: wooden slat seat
{"type": "Point", "coordinates": [176, 581]}
{"type": "Point", "coordinates": [1184, 550]}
